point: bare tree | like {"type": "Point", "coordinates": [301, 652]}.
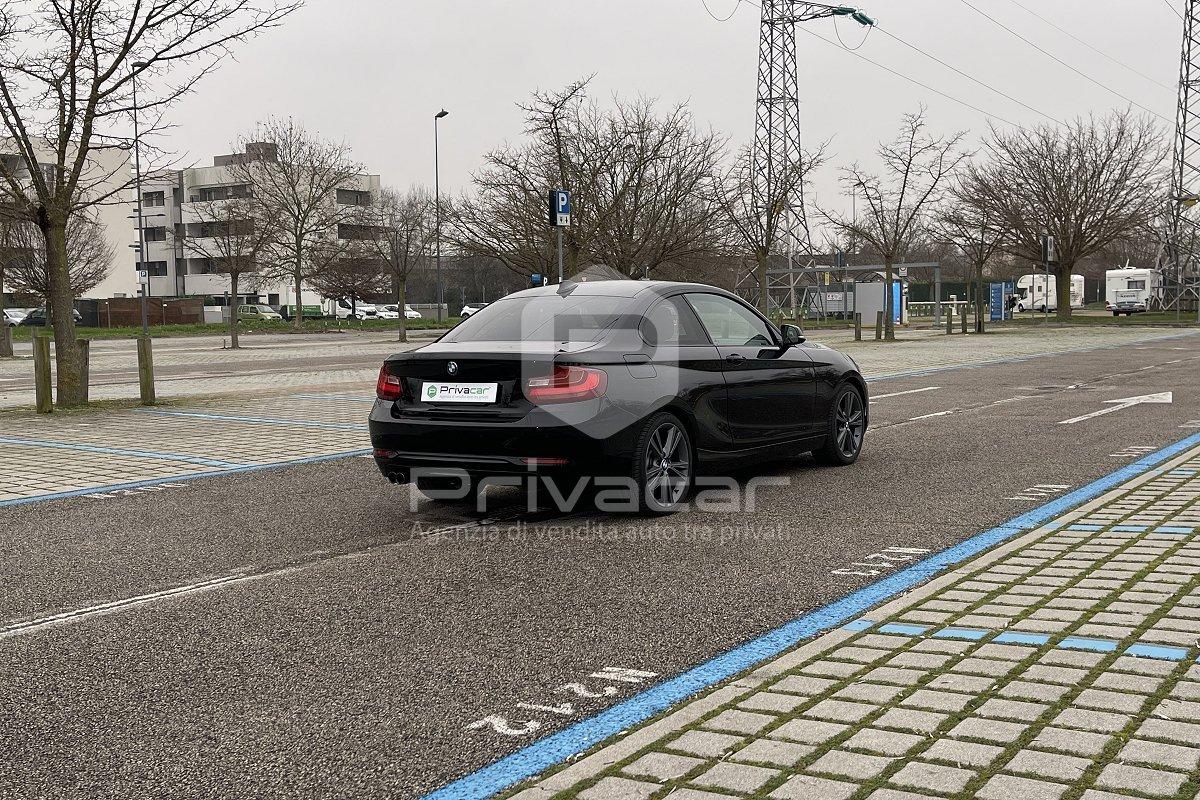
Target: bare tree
{"type": "Point", "coordinates": [1091, 185]}
{"type": "Point", "coordinates": [966, 228]}
{"type": "Point", "coordinates": [640, 183]}
{"type": "Point", "coordinates": [758, 207]}
{"type": "Point", "coordinates": [67, 72]}
{"type": "Point", "coordinates": [89, 256]}
{"type": "Point", "coordinates": [403, 225]}
{"type": "Point", "coordinates": [916, 167]}
{"type": "Point", "coordinates": [295, 177]}
{"type": "Point", "coordinates": [353, 276]}
{"type": "Point", "coordinates": [235, 237]}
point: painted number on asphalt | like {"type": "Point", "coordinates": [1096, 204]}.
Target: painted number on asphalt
{"type": "Point", "coordinates": [597, 685]}
{"type": "Point", "coordinates": [1042, 491]}
{"type": "Point", "coordinates": [881, 562]}
{"type": "Point", "coordinates": [1132, 451]}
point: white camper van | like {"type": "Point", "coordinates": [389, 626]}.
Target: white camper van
{"type": "Point", "coordinates": [1039, 292]}
{"type": "Point", "coordinates": [1131, 290]}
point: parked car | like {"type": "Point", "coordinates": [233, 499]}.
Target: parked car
{"type": "Point", "coordinates": [12, 317]}
{"type": "Point", "coordinates": [37, 317]}
{"type": "Point", "coordinates": [387, 312]}
{"type": "Point", "coordinates": [471, 308]}
{"type": "Point", "coordinates": [643, 381]}
{"type": "Point", "coordinates": [411, 313]}
{"type": "Point", "coordinates": [260, 312]}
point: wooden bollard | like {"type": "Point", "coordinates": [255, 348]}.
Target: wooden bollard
{"type": "Point", "coordinates": [43, 398]}
{"type": "Point", "coordinates": [145, 353]}
{"type": "Point", "coordinates": [85, 369]}
{"type": "Point", "coordinates": [950, 321]}
{"type": "Point", "coordinates": [963, 319]}
{"type": "Point", "coordinates": [858, 327]}
{"type": "Point", "coordinates": [878, 325]}
{"type": "Point", "coordinates": [6, 347]}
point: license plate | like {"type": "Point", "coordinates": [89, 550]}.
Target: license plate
{"type": "Point", "coordinates": [459, 392]}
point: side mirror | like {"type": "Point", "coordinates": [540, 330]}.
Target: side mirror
{"type": "Point", "coordinates": [791, 335]}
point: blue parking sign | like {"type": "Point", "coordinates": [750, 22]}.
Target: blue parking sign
{"type": "Point", "coordinates": [560, 208]}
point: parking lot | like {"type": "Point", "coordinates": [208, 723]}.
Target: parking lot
{"type": "Point", "coordinates": [221, 597]}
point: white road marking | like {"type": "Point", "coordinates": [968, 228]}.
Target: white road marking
{"type": "Point", "coordinates": [1041, 491]}
{"type": "Point", "coordinates": [877, 563]}
{"type": "Point", "coordinates": [910, 391]}
{"type": "Point", "coordinates": [972, 408]}
{"type": "Point", "coordinates": [1132, 450]}
{"type": "Point", "coordinates": [1125, 402]}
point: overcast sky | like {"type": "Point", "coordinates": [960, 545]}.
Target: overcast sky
{"type": "Point", "coordinates": [373, 72]}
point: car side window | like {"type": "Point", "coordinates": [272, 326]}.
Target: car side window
{"type": "Point", "coordinates": [730, 323]}
{"type": "Point", "coordinates": [671, 323]}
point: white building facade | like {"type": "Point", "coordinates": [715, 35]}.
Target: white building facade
{"type": "Point", "coordinates": [171, 215]}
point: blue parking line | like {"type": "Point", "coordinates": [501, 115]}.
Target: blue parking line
{"type": "Point", "coordinates": [969, 634]}
{"type": "Point", "coordinates": [296, 423]}
{"type": "Point", "coordinates": [340, 397]}
{"type": "Point", "coordinates": [118, 451]}
{"type": "Point", "coordinates": [191, 476]}
{"type": "Point", "coordinates": [1157, 651]}
{"type": "Point", "coordinates": [1017, 637]}
{"type": "Point", "coordinates": [902, 629]}
{"type": "Point", "coordinates": [556, 748]}
{"type": "Point", "coordinates": [1082, 643]}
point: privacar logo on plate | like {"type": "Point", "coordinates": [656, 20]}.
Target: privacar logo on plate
{"type": "Point", "coordinates": [431, 390]}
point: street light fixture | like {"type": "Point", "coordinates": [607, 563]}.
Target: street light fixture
{"type": "Point", "coordinates": [137, 180]}
{"type": "Point", "coordinates": [437, 211]}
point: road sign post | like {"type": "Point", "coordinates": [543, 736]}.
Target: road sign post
{"type": "Point", "coordinates": [560, 217]}
{"type": "Point", "coordinates": [1049, 255]}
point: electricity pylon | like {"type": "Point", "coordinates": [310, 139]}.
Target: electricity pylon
{"type": "Point", "coordinates": [1179, 258]}
{"type": "Point", "coordinates": [777, 156]}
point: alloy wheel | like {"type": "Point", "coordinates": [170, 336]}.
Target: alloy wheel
{"type": "Point", "coordinates": [849, 423]}
{"type": "Point", "coordinates": [668, 466]}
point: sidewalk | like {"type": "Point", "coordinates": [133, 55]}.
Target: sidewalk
{"type": "Point", "coordinates": [1062, 664]}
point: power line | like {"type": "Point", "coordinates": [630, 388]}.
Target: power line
{"type": "Point", "coordinates": [910, 79]}
{"type": "Point", "coordinates": [722, 19]}
{"type": "Point", "coordinates": [1097, 50]}
{"type": "Point", "coordinates": [1174, 10]}
{"type": "Point", "coordinates": [969, 77]}
{"type": "Point", "coordinates": [1050, 55]}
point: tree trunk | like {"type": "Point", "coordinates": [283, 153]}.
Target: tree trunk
{"type": "Point", "coordinates": [981, 300]}
{"type": "Point", "coordinates": [889, 322]}
{"type": "Point", "coordinates": [233, 317]}
{"type": "Point", "coordinates": [760, 270]}
{"type": "Point", "coordinates": [60, 307]}
{"type": "Point", "coordinates": [400, 299]}
{"type": "Point", "coordinates": [1063, 291]}
{"type": "Point", "coordinates": [297, 281]}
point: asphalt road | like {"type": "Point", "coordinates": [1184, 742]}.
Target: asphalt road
{"type": "Point", "coordinates": [344, 644]}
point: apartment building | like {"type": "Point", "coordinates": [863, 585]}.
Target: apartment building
{"type": "Point", "coordinates": [108, 171]}
{"type": "Point", "coordinates": [171, 215]}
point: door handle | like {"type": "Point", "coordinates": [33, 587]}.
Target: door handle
{"type": "Point", "coordinates": [735, 358]}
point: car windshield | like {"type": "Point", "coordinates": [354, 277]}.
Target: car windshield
{"type": "Point", "coordinates": [546, 318]}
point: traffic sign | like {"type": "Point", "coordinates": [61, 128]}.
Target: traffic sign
{"type": "Point", "coordinates": [560, 208]}
{"type": "Point", "coordinates": [1049, 250]}
{"type": "Point", "coordinates": [143, 276]}
{"type": "Point", "coordinates": [903, 272]}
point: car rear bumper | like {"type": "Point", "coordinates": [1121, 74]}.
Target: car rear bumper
{"type": "Point", "coordinates": [593, 441]}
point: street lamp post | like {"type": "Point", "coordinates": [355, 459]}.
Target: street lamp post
{"type": "Point", "coordinates": [437, 211]}
{"type": "Point", "coordinates": [137, 180]}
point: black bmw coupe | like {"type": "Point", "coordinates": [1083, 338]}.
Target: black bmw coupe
{"type": "Point", "coordinates": [635, 384]}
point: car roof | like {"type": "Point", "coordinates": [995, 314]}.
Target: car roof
{"type": "Point", "coordinates": [617, 288]}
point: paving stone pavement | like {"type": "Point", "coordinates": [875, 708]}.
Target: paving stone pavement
{"type": "Point", "coordinates": [1061, 665]}
{"type": "Point", "coordinates": [88, 452]}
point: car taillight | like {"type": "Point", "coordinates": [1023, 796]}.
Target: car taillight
{"type": "Point", "coordinates": [389, 387]}
{"type": "Point", "coordinates": [567, 385]}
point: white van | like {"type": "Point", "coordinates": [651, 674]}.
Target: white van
{"type": "Point", "coordinates": [344, 309]}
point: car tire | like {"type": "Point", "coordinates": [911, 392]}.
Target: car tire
{"type": "Point", "coordinates": [846, 428]}
{"type": "Point", "coordinates": [434, 487]}
{"type": "Point", "coordinates": [663, 465]}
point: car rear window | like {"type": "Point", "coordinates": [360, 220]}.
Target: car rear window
{"type": "Point", "coordinates": [546, 318]}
